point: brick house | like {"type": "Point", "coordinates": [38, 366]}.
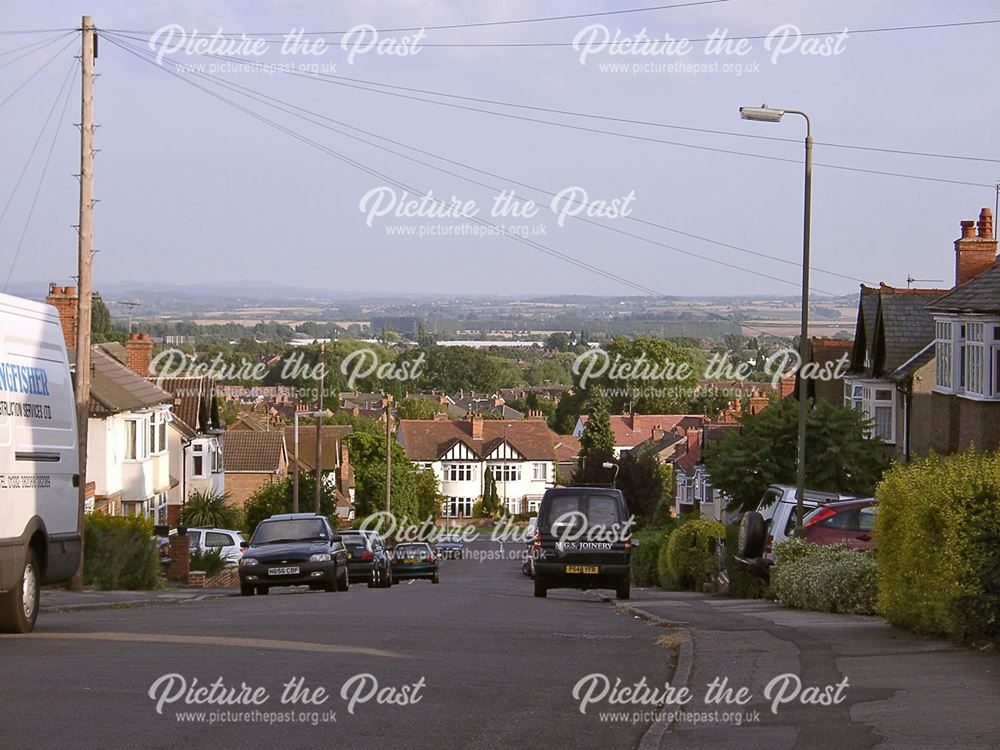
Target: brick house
{"type": "Point", "coordinates": [632, 429]}
{"type": "Point", "coordinates": [338, 475]}
{"type": "Point", "coordinates": [254, 458]}
{"type": "Point", "coordinates": [965, 398]}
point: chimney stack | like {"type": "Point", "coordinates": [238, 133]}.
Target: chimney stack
{"type": "Point", "coordinates": [693, 438]}
{"type": "Point", "coordinates": [476, 422]}
{"type": "Point", "coordinates": [64, 299]}
{"type": "Point", "coordinates": [975, 251]}
{"type": "Point", "coordinates": [139, 353]}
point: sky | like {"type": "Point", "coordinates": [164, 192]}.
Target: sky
{"type": "Point", "coordinates": [192, 189]}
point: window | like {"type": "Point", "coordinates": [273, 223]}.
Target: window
{"type": "Point", "coordinates": [974, 361]}
{"type": "Point", "coordinates": [158, 432]}
{"type": "Point", "coordinates": [457, 507]}
{"type": "Point", "coordinates": [217, 539]}
{"type": "Point", "coordinates": [506, 472]}
{"type": "Point", "coordinates": [879, 406]}
{"type": "Point", "coordinates": [943, 354]}
{"type": "Point", "coordinates": [853, 393]}
{"type": "Point", "coordinates": [459, 473]}
{"type": "Point", "coordinates": [198, 460]}
{"type": "Point", "coordinates": [136, 435]}
{"type": "Point", "coordinates": [968, 358]}
{"type": "Point", "coordinates": [538, 472]}
{"type": "Point", "coordinates": [158, 509]}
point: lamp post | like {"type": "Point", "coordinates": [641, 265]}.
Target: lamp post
{"type": "Point", "coordinates": [770, 114]}
{"type": "Point", "coordinates": [616, 467]}
{"type": "Point", "coordinates": [506, 468]}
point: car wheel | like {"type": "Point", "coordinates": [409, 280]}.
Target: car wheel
{"type": "Point", "coordinates": [541, 589]}
{"type": "Point", "coordinates": [263, 590]}
{"type": "Point", "coordinates": [343, 583]}
{"type": "Point", "coordinates": [751, 538]}
{"type": "Point", "coordinates": [624, 589]}
{"type": "Point", "coordinates": [246, 589]}
{"type": "Point", "coordinates": [435, 578]}
{"type": "Point", "coordinates": [373, 579]}
{"type": "Point", "coordinates": [386, 579]}
{"type": "Point", "coordinates": [19, 606]}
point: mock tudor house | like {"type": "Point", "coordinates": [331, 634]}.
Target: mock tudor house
{"type": "Point", "coordinates": [965, 398]}
{"type": "Point", "coordinates": [521, 456]}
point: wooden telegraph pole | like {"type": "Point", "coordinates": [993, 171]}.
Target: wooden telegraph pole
{"type": "Point", "coordinates": [85, 260]}
{"type": "Point", "coordinates": [388, 454]}
{"type": "Point", "coordinates": [319, 425]}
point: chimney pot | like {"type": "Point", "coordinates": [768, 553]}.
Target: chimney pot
{"type": "Point", "coordinates": [974, 254]}
{"type": "Point", "coordinates": [69, 291]}
{"type": "Point", "coordinates": [968, 229]}
{"type": "Point", "coordinates": [985, 225]}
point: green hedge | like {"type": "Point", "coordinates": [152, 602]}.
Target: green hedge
{"type": "Point", "coordinates": [938, 532]}
{"type": "Point", "coordinates": [824, 578]}
{"type": "Point", "coordinates": [120, 553]}
{"type": "Point", "coordinates": [646, 555]}
{"type": "Point", "coordinates": [684, 561]}
{"type": "Point", "coordinates": [209, 561]}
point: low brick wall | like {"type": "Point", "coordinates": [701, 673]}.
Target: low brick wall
{"type": "Point", "coordinates": [226, 579]}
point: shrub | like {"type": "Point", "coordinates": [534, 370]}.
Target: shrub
{"type": "Point", "coordinates": [828, 578]}
{"type": "Point", "coordinates": [210, 509]}
{"type": "Point", "coordinates": [477, 509]}
{"type": "Point", "coordinates": [646, 556]}
{"type": "Point", "coordinates": [685, 561]}
{"type": "Point", "coordinates": [119, 553]}
{"type": "Point", "coordinates": [210, 561]}
{"type": "Point", "coordinates": [938, 532]}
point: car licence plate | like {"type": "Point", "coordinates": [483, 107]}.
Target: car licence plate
{"type": "Point", "coordinates": [587, 569]}
{"type": "Point", "coordinates": [290, 570]}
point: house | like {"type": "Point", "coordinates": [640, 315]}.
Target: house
{"type": "Point", "coordinates": [692, 482]}
{"type": "Point", "coordinates": [128, 459]}
{"type": "Point", "coordinates": [632, 429]}
{"type": "Point", "coordinates": [965, 376]}
{"type": "Point", "coordinates": [825, 351]}
{"type": "Point", "coordinates": [337, 472]}
{"type": "Point", "coordinates": [493, 405]}
{"type": "Point", "coordinates": [254, 458]}
{"type": "Point", "coordinates": [891, 371]}
{"type": "Point", "coordinates": [567, 450]}
{"type": "Point", "coordinates": [520, 455]}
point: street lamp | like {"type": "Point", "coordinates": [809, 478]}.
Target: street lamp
{"type": "Point", "coordinates": [769, 114]}
{"type": "Point", "coordinates": [616, 467]}
{"type": "Point", "coordinates": [295, 451]}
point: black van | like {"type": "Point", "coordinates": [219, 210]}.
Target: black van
{"type": "Point", "coordinates": [583, 541]}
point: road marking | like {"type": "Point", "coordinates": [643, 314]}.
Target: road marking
{"type": "Point", "coordinates": [208, 640]}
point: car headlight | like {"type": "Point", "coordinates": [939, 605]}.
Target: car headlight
{"type": "Point", "coordinates": [322, 557]}
{"type": "Point", "coordinates": [247, 562]}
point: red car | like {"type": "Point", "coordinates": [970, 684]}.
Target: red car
{"type": "Point", "coordinates": [848, 522]}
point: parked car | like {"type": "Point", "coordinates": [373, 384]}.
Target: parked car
{"type": "Point", "coordinates": [367, 559]}
{"type": "Point", "coordinates": [582, 541]}
{"type": "Point", "coordinates": [39, 539]}
{"type": "Point", "coordinates": [163, 550]}
{"type": "Point", "coordinates": [450, 546]}
{"type": "Point", "coordinates": [228, 541]}
{"type": "Point", "coordinates": [293, 549]}
{"type": "Point", "coordinates": [414, 560]}
{"type": "Point", "coordinates": [849, 522]}
{"type": "Point", "coordinates": [774, 521]}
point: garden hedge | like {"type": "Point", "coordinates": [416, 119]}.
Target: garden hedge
{"type": "Point", "coordinates": [120, 552]}
{"type": "Point", "coordinates": [938, 533]}
{"type": "Point", "coordinates": [685, 561]}
{"type": "Point", "coordinates": [824, 578]}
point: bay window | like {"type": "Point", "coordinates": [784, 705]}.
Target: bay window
{"type": "Point", "coordinates": [459, 473]}
{"type": "Point", "coordinates": [967, 358]}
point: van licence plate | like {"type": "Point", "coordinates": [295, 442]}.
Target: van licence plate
{"type": "Point", "coordinates": [586, 569]}
{"type": "Point", "coordinates": [290, 570]}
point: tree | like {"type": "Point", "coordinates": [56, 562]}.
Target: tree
{"type": "Point", "coordinates": [210, 509]}
{"type": "Point", "coordinates": [641, 480]}
{"type": "Point", "coordinates": [557, 341]}
{"type": "Point", "coordinates": [415, 493]}
{"type": "Point", "coordinates": [597, 446]}
{"type": "Point", "coordinates": [840, 455]}
{"type": "Point", "coordinates": [414, 407]}
{"type": "Point", "coordinates": [276, 497]}
{"type": "Point", "coordinates": [491, 498]}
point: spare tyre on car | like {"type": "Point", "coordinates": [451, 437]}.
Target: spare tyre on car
{"type": "Point", "coordinates": [752, 535]}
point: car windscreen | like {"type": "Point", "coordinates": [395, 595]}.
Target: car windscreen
{"type": "Point", "coordinates": [411, 550]}
{"type": "Point", "coordinates": [274, 532]}
{"type": "Point", "coordinates": [354, 543]}
{"type": "Point", "coordinates": [598, 510]}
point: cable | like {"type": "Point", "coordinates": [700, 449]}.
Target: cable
{"type": "Point", "coordinates": [38, 70]}
{"type": "Point", "coordinates": [33, 31]}
{"type": "Point", "coordinates": [326, 78]}
{"type": "Point", "coordinates": [256, 95]}
{"type": "Point", "coordinates": [41, 43]}
{"type": "Point", "coordinates": [479, 24]}
{"type": "Point", "coordinates": [34, 147]}
{"type": "Point", "coordinates": [41, 179]}
{"type": "Point", "coordinates": [37, 46]}
{"type": "Point", "coordinates": [368, 170]}
{"type": "Point", "coordinates": [753, 37]}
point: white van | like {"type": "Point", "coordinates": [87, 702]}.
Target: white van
{"type": "Point", "coordinates": [39, 479]}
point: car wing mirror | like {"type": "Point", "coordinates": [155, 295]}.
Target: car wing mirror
{"type": "Point", "coordinates": [244, 544]}
{"type": "Point", "coordinates": [335, 538]}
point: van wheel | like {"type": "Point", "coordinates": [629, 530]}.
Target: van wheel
{"type": "Point", "coordinates": [19, 606]}
{"type": "Point", "coordinates": [541, 590]}
{"type": "Point", "coordinates": [624, 589]}
{"type": "Point", "coordinates": [246, 589]}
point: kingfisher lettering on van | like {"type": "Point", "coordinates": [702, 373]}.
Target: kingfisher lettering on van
{"type": "Point", "coordinates": [22, 379]}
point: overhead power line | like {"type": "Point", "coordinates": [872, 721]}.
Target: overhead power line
{"type": "Point", "coordinates": [368, 170]}
{"type": "Point", "coordinates": [288, 108]}
{"type": "Point", "coordinates": [285, 105]}
{"type": "Point", "coordinates": [37, 70]}
{"type": "Point", "coordinates": [327, 78]}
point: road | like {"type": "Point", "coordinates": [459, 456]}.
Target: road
{"type": "Point", "coordinates": [477, 661]}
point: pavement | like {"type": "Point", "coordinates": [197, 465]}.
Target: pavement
{"type": "Point", "coordinates": [478, 662]}
{"type": "Point", "coordinates": [903, 690]}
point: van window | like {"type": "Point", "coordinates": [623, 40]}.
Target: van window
{"type": "Point", "coordinates": [599, 510]}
